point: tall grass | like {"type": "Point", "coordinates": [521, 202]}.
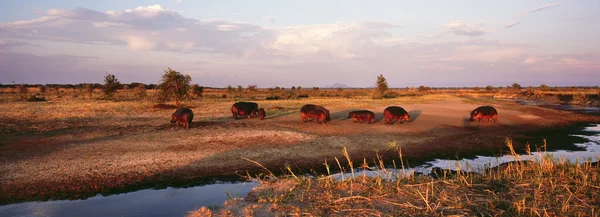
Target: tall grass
{"type": "Point", "coordinates": [543, 186]}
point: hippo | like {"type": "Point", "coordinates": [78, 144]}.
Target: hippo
{"type": "Point", "coordinates": [395, 112]}
{"type": "Point", "coordinates": [314, 111]}
{"type": "Point", "coordinates": [183, 115]}
{"type": "Point", "coordinates": [484, 112]}
{"type": "Point", "coordinates": [362, 115]}
{"type": "Point", "coordinates": [261, 113]}
{"type": "Point", "coordinates": [243, 109]}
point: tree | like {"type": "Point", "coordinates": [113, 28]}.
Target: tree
{"type": "Point", "coordinates": [197, 90]}
{"type": "Point", "coordinates": [173, 85]}
{"type": "Point", "coordinates": [240, 88]}
{"type": "Point", "coordinates": [382, 85]}
{"type": "Point", "coordinates": [230, 89]}
{"type": "Point", "coordinates": [489, 88]}
{"type": "Point", "coordinates": [516, 86]}
{"type": "Point", "coordinates": [111, 84]}
{"type": "Point", "coordinates": [299, 88]}
{"type": "Point", "coordinates": [252, 87]}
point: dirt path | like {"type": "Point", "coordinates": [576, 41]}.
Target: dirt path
{"type": "Point", "coordinates": [117, 154]}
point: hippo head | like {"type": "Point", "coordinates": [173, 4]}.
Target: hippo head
{"type": "Point", "coordinates": [261, 113]}
{"type": "Point", "coordinates": [407, 117]}
{"type": "Point", "coordinates": [173, 118]}
{"type": "Point", "coordinates": [473, 114]}
{"type": "Point", "coordinates": [327, 117]}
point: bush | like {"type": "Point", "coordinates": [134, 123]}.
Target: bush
{"type": "Point", "coordinates": [173, 85]}
{"type": "Point", "coordinates": [197, 90]}
{"type": "Point", "coordinates": [140, 91]}
{"type": "Point", "coordinates": [111, 85]}
{"type": "Point", "coordinates": [516, 86]}
{"type": "Point", "coordinates": [424, 88]}
{"type": "Point", "coordinates": [34, 98]}
{"type": "Point", "coordinates": [273, 97]}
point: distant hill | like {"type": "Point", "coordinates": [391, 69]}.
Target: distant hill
{"type": "Point", "coordinates": [337, 85]}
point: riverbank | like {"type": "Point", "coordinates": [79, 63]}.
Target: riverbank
{"type": "Point", "coordinates": [79, 149]}
{"type": "Point", "coordinates": [544, 187]}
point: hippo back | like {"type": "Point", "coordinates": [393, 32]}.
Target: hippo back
{"type": "Point", "coordinates": [247, 107]}
{"type": "Point", "coordinates": [182, 111]}
{"type": "Point", "coordinates": [395, 111]}
{"type": "Point", "coordinates": [485, 110]}
{"type": "Point", "coordinates": [315, 110]}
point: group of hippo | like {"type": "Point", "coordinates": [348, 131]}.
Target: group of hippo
{"type": "Point", "coordinates": [319, 113]}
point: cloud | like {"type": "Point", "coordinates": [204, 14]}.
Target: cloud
{"type": "Point", "coordinates": [179, 1]}
{"type": "Point", "coordinates": [8, 45]}
{"type": "Point", "coordinates": [143, 28]}
{"type": "Point", "coordinates": [511, 24]}
{"type": "Point", "coordinates": [459, 28]}
{"type": "Point", "coordinates": [271, 19]}
{"type": "Point", "coordinates": [543, 7]}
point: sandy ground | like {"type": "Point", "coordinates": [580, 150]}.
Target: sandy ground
{"type": "Point", "coordinates": [125, 152]}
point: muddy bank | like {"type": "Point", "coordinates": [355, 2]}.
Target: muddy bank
{"type": "Point", "coordinates": [155, 157]}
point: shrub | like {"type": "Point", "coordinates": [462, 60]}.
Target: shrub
{"type": "Point", "coordinates": [111, 84]}
{"type": "Point", "coordinates": [273, 97]}
{"type": "Point", "coordinates": [516, 86]}
{"type": "Point", "coordinates": [197, 90]}
{"type": "Point", "coordinates": [140, 91]}
{"type": "Point", "coordinates": [173, 85]}
{"type": "Point", "coordinates": [34, 98]}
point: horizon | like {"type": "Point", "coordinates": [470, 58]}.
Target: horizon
{"type": "Point", "coordinates": [309, 43]}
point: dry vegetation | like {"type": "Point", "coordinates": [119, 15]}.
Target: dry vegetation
{"type": "Point", "coordinates": [77, 144]}
{"type": "Point", "coordinates": [544, 187]}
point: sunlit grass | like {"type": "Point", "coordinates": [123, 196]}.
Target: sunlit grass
{"type": "Point", "coordinates": [545, 186]}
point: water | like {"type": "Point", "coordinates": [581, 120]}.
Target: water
{"type": "Point", "coordinates": [573, 108]}
{"type": "Point", "coordinates": [164, 202]}
{"type": "Point", "coordinates": [576, 144]}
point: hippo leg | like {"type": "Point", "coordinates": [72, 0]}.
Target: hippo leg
{"type": "Point", "coordinates": [234, 116]}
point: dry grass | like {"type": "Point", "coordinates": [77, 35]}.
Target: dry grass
{"type": "Point", "coordinates": [67, 149]}
{"type": "Point", "coordinates": [546, 187]}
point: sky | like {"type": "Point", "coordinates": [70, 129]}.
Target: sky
{"type": "Point", "coordinates": [302, 43]}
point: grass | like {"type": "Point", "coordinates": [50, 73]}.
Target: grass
{"type": "Point", "coordinates": [544, 187]}
{"type": "Point", "coordinates": [74, 148]}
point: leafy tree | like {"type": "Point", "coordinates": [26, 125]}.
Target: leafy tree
{"type": "Point", "coordinates": [489, 88]}
{"type": "Point", "coordinates": [293, 88]}
{"type": "Point", "coordinates": [230, 89]}
{"type": "Point", "coordinates": [252, 87]}
{"type": "Point", "coordinates": [382, 85]}
{"type": "Point", "coordinates": [111, 84]}
{"type": "Point", "coordinates": [315, 88]}
{"type": "Point", "coordinates": [476, 88]}
{"type": "Point", "coordinates": [240, 88]}
{"type": "Point", "coordinates": [516, 86]}
{"type": "Point", "coordinates": [173, 85]}
{"type": "Point", "coordinates": [299, 88]}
